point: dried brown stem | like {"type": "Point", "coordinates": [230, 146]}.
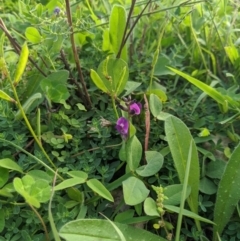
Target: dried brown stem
{"type": "Point", "coordinates": [126, 26]}
{"type": "Point", "coordinates": [86, 100]}
{"type": "Point", "coordinates": [147, 122]}
{"type": "Point", "coordinates": [42, 222]}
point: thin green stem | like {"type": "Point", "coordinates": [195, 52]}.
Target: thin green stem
{"type": "Point", "coordinates": [29, 125]}
{"type": "Point", "coordinates": [114, 107]}
{"type": "Point", "coordinates": [184, 192]}
{"type": "Point", "coordinates": [32, 156]}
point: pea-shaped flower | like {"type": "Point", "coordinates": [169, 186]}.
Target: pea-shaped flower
{"type": "Point", "coordinates": [135, 108]}
{"type": "Point", "coordinates": [122, 127]}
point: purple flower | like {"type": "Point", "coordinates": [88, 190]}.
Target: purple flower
{"type": "Point", "coordinates": [135, 108]}
{"type": "Point", "coordinates": [57, 10]}
{"type": "Point", "coordinates": [122, 127]}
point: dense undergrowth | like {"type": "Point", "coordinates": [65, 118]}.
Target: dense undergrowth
{"type": "Point", "coordinates": [108, 122]}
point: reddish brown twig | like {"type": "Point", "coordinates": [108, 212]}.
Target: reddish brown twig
{"type": "Point", "coordinates": [147, 122]}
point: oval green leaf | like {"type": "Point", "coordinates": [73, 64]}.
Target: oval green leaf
{"type": "Point", "coordinates": [98, 187]}
{"type": "Point", "coordinates": [10, 164]}
{"type": "Point", "coordinates": [179, 139]}
{"type": "Point", "coordinates": [33, 35]}
{"type": "Point", "coordinates": [154, 163]}
{"type": "Point", "coordinates": [134, 191]}
{"type": "Point", "coordinates": [98, 81]}
{"type": "Point", "coordinates": [150, 207]}
{"type": "Point", "coordinates": [133, 153]}
{"type": "Point", "coordinates": [155, 105]}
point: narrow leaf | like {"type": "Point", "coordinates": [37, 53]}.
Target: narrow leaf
{"type": "Point", "coordinates": [188, 213]}
{"type": "Point", "coordinates": [2, 220]}
{"type": "Point", "coordinates": [69, 183]}
{"type": "Point", "coordinates": [26, 106]}
{"type": "Point", "coordinates": [217, 96]}
{"type": "Point", "coordinates": [98, 187]}
{"type": "Point", "coordinates": [98, 81]}
{"type": "Point", "coordinates": [228, 193]}
{"type": "Point", "coordinates": [10, 164]}
{"type": "Point", "coordinates": [5, 96]}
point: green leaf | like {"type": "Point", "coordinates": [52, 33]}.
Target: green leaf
{"type": "Point", "coordinates": [20, 188]}
{"type": "Point", "coordinates": [55, 86]}
{"type": "Point", "coordinates": [232, 53]}
{"type": "Point", "coordinates": [179, 139]}
{"type": "Point", "coordinates": [34, 191]}
{"type": "Point", "coordinates": [114, 75]}
{"type": "Point", "coordinates": [188, 213]}
{"type": "Point", "coordinates": [134, 191]}
{"type": "Point", "coordinates": [33, 35]}
{"type": "Point", "coordinates": [69, 183]}
{"type": "Point", "coordinates": [2, 220]}
{"type": "Point", "coordinates": [78, 174]}
{"type": "Point", "coordinates": [5, 193]}
{"type": "Point", "coordinates": [150, 207]}
{"type": "Point", "coordinates": [40, 175]}
{"type": "Point", "coordinates": [154, 163]}
{"type": "Point", "coordinates": [3, 176]}
{"type": "Point", "coordinates": [81, 106]}
{"type": "Point", "coordinates": [228, 193]}
{"type": "Point", "coordinates": [10, 164]}
{"type": "Point", "coordinates": [102, 230]}
{"type": "Point", "coordinates": [26, 106]}
{"type": "Point", "coordinates": [217, 96]}
{"type": "Point", "coordinates": [215, 169]}
{"type": "Point", "coordinates": [159, 93]}
{"type": "Point", "coordinates": [207, 186]}
{"type": "Point", "coordinates": [160, 67]}
{"type": "Point", "coordinates": [98, 187]}
{"type": "Point", "coordinates": [130, 87]}
{"type": "Point", "coordinates": [117, 23]}
{"type": "Point", "coordinates": [5, 96]}
{"type": "Point", "coordinates": [21, 63]}
{"type": "Point", "coordinates": [98, 81]}
{"type": "Point", "coordinates": [133, 153]}
{"type": "Point", "coordinates": [174, 193]}
{"type": "Point", "coordinates": [155, 105]}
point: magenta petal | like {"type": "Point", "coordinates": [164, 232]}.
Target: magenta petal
{"type": "Point", "coordinates": [135, 108]}
{"type": "Point", "coordinates": [122, 126]}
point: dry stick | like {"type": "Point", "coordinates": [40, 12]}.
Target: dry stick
{"type": "Point", "coordinates": [74, 49]}
{"type": "Point", "coordinates": [42, 222]}
{"type": "Point", "coordinates": [132, 27]}
{"type": "Point", "coordinates": [17, 47]}
{"type": "Point", "coordinates": [126, 26]}
{"type": "Point", "coordinates": [147, 122]}
{"type": "Point", "coordinates": [67, 67]}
